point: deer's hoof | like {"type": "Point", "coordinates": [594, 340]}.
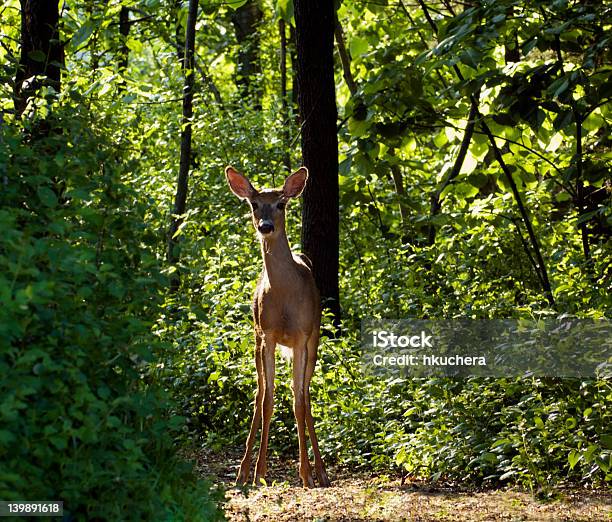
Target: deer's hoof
{"type": "Point", "coordinates": [242, 478]}
{"type": "Point", "coordinates": [308, 481]}
{"type": "Point", "coordinates": [260, 480]}
{"type": "Point", "coordinates": [323, 480]}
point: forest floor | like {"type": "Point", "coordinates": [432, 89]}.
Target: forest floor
{"type": "Point", "coordinates": [367, 497]}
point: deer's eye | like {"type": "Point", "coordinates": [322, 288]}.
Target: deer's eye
{"type": "Point", "coordinates": [254, 205]}
{"type": "Point", "coordinates": [280, 205]}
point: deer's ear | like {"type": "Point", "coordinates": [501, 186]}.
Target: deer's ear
{"type": "Point", "coordinates": [239, 184]}
{"type": "Point", "coordinates": [294, 184]}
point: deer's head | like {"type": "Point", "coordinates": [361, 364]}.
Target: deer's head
{"type": "Point", "coordinates": [267, 205]}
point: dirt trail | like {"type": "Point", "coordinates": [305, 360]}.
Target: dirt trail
{"type": "Point", "coordinates": [363, 497]}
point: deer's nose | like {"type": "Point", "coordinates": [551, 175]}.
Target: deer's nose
{"type": "Point", "coordinates": [265, 226]}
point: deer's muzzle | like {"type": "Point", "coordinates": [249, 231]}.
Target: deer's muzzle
{"type": "Point", "coordinates": [265, 226]}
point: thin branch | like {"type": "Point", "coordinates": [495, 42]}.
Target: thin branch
{"type": "Point", "coordinates": [345, 59]}
{"type": "Point", "coordinates": [580, 186]}
{"type": "Point", "coordinates": [517, 196]}
{"type": "Point", "coordinates": [135, 21]}
{"type": "Point", "coordinates": [186, 129]}
{"type": "Point", "coordinates": [436, 202]}
{"type": "Point", "coordinates": [527, 250]}
{"type": "Point", "coordinates": [423, 40]}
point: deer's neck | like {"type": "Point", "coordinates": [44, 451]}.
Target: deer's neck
{"type": "Point", "coordinates": [277, 259]}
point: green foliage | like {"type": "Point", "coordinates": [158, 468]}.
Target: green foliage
{"type": "Point", "coordinates": [412, 117]}
{"type": "Point", "coordinates": [80, 287]}
{"type": "Point", "coordinates": [504, 430]}
{"type": "Point", "coordinates": [409, 113]}
{"type": "Point", "coordinates": [104, 373]}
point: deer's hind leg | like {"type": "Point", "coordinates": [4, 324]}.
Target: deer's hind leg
{"type": "Point", "coordinates": [299, 407]}
{"type": "Point", "coordinates": [245, 464]}
{"type": "Point", "coordinates": [313, 345]}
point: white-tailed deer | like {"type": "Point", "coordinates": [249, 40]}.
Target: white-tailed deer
{"type": "Point", "coordinates": [287, 312]}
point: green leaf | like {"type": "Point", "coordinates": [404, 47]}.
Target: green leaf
{"type": "Point", "coordinates": [606, 440]}
{"type": "Point", "coordinates": [470, 57]}
{"type": "Point", "coordinates": [376, 7]}
{"type": "Point", "coordinates": [134, 45]}
{"type": "Point", "coordinates": [558, 87]}
{"type": "Point", "coordinates": [82, 34]}
{"type": "Point", "coordinates": [489, 457]}
{"type": "Point", "coordinates": [358, 46]}
{"type": "Point", "coordinates": [562, 196]}
{"type": "Point", "coordinates": [441, 139]}
{"type": "Point", "coordinates": [358, 128]}
{"type": "Point", "coordinates": [47, 196]}
{"type": "Point", "coordinates": [573, 458]}
{"type": "Point", "coordinates": [37, 56]}
{"type": "Point", "coordinates": [113, 421]}
{"type": "Point", "coordinates": [58, 441]}
{"type": "Point", "coordinates": [500, 442]}
{"type": "Point", "coordinates": [235, 4]}
{"type": "Point", "coordinates": [588, 454]}
{"type": "Point", "coordinates": [6, 437]}
{"type": "Point", "coordinates": [469, 163]}
{"type": "Point", "coordinates": [285, 7]}
{"type": "Point", "coordinates": [563, 119]}
{"type": "Point", "coordinates": [593, 122]}
{"type": "Point", "coordinates": [603, 464]}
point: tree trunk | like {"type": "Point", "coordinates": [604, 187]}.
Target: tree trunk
{"type": "Point", "coordinates": [41, 50]}
{"type": "Point", "coordinates": [245, 20]}
{"type": "Point", "coordinates": [294, 84]}
{"type": "Point", "coordinates": [185, 160]}
{"type": "Point", "coordinates": [124, 51]}
{"type": "Point", "coordinates": [284, 102]}
{"type": "Point", "coordinates": [315, 23]}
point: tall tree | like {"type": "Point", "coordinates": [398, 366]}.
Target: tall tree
{"type": "Point", "coordinates": [284, 102]}
{"type": "Point", "coordinates": [246, 21]}
{"type": "Point", "coordinates": [124, 50]}
{"type": "Point", "coordinates": [41, 50]}
{"type": "Point", "coordinates": [294, 86]}
{"type": "Point", "coordinates": [315, 24]}
{"type": "Point", "coordinates": [180, 199]}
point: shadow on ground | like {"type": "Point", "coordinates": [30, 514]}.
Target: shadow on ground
{"type": "Point", "coordinates": [365, 497]}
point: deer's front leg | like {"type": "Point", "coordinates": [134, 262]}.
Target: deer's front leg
{"type": "Point", "coordinates": [245, 465]}
{"type": "Point", "coordinates": [268, 363]}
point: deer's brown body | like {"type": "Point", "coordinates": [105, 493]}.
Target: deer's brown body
{"type": "Point", "coordinates": [286, 312]}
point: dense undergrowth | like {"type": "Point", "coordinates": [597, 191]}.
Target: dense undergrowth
{"type": "Point", "coordinates": [81, 286]}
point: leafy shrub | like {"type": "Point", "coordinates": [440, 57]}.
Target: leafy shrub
{"type": "Point", "coordinates": [79, 286]}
